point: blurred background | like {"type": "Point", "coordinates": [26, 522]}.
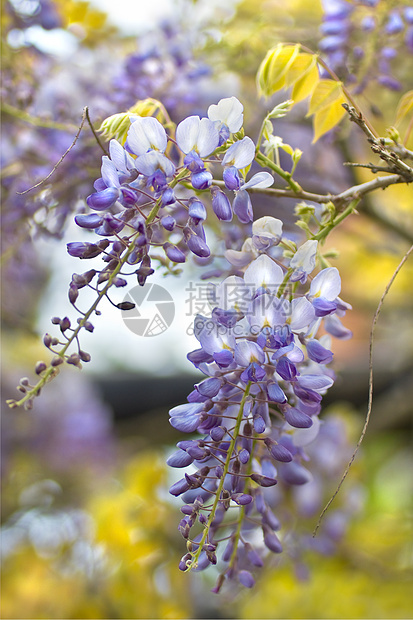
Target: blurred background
{"type": "Point", "coordinates": [88, 527]}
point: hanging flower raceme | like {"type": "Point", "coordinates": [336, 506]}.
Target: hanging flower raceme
{"type": "Point", "coordinates": [265, 375]}
{"type": "Point", "coordinates": [139, 203]}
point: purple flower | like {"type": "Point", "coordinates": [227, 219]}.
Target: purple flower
{"type": "Point", "coordinates": [318, 353]}
{"type": "Point", "coordinates": [246, 579]}
{"type": "Point", "coordinates": [242, 207]}
{"type": "Point", "coordinates": [101, 201]}
{"type": "Point", "coordinates": [394, 23]}
{"type": "Point", "coordinates": [221, 205]}
{"type": "Point", "coordinates": [186, 418]}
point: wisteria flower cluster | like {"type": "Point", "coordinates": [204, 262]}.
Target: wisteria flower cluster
{"type": "Point", "coordinates": [265, 349]}
{"type": "Point", "coordinates": [141, 176]}
{"type": "Point", "coordinates": [146, 199]}
{"type": "Point", "coordinates": [345, 28]}
{"type": "Point", "coordinates": [258, 406]}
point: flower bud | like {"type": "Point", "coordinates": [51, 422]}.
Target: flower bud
{"type": "Point", "coordinates": [65, 324]}
{"type": "Point", "coordinates": [83, 250]}
{"type": "Point", "coordinates": [89, 221]}
{"type": "Point", "coordinates": [197, 245]}
{"type": "Point", "coordinates": [271, 541]}
{"type": "Point", "coordinates": [217, 433]}
{"type": "Point", "coordinates": [168, 222]}
{"type": "Point", "coordinates": [201, 180]}
{"type": "Point", "coordinates": [278, 451]}
{"type": "Point", "coordinates": [174, 253]}
{"type": "Point", "coordinates": [85, 357]}
{"type": "Point", "coordinates": [47, 340]}
{"type": "Point", "coordinates": [73, 359]}
{"type": "Point", "coordinates": [231, 178]}
{"type": "Point", "coordinates": [196, 210]}
{"type": "Point", "coordinates": [221, 205]}
{"type": "Point", "coordinates": [246, 579]}
{"type": "Point", "coordinates": [125, 305]}
{"type": "Point", "coordinates": [40, 367]}
{"type": "Point", "coordinates": [242, 499]}
{"type": "Point", "coordinates": [83, 279]}
{"type": "Point", "coordinates": [263, 481]}
{"type": "Point", "coordinates": [73, 293]}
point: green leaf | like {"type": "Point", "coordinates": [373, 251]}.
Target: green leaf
{"type": "Point", "coordinates": [405, 107]}
{"type": "Point", "coordinates": [281, 109]}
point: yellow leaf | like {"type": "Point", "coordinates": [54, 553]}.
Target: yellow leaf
{"type": "Point", "coordinates": [262, 75]}
{"type": "Point", "coordinates": [279, 67]}
{"type": "Point", "coordinates": [305, 86]}
{"type": "Point", "coordinates": [328, 117]}
{"type": "Point", "coordinates": [272, 71]}
{"type": "Point", "coordinates": [405, 107]}
{"type": "Point", "coordinates": [326, 93]}
{"type": "Point", "coordinates": [146, 107]}
{"type": "Point", "coordinates": [300, 66]}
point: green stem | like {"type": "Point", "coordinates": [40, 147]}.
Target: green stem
{"type": "Point", "coordinates": [265, 161]}
{"type": "Point", "coordinates": [35, 120]}
{"type": "Point", "coordinates": [211, 517]}
{"type": "Point", "coordinates": [262, 129]}
{"type": "Point", "coordinates": [237, 534]}
{"type": "Point", "coordinates": [322, 234]}
{"type": "Point", "coordinates": [284, 282]}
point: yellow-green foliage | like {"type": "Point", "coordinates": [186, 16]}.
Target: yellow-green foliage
{"type": "Point", "coordinates": [286, 66]}
{"type": "Point", "coordinates": [117, 125]}
{"type": "Point", "coordinates": [139, 577]}
{"type": "Point", "coordinates": [371, 576]}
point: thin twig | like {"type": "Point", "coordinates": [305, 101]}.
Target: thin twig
{"type": "Point", "coordinates": [346, 196]}
{"type": "Point", "coordinates": [370, 399]}
{"type": "Point", "coordinates": [84, 117]}
{"type": "Point", "coordinates": [373, 167]}
{"type": "Point", "coordinates": [378, 145]}
{"type": "Point", "coordinates": [86, 111]}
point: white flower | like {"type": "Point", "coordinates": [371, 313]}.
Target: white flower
{"type": "Point", "coordinates": [146, 134]}
{"type": "Point", "coordinates": [303, 261]}
{"type": "Point", "coordinates": [228, 111]}
{"type": "Point", "coordinates": [240, 154]}
{"type": "Point", "coordinates": [197, 134]}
